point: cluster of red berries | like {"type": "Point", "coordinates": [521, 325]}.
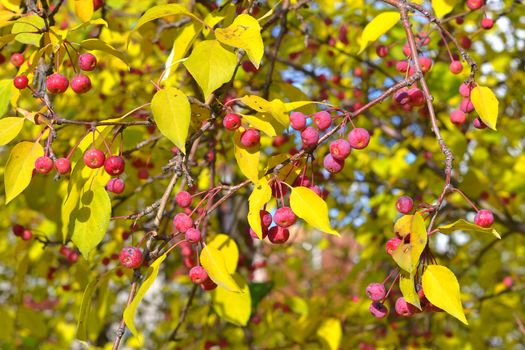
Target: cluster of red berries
{"type": "Point", "coordinates": [249, 138]}
{"type": "Point", "coordinates": [22, 232]}
{"type": "Point", "coordinates": [283, 217]}
{"type": "Point", "coordinates": [459, 116]}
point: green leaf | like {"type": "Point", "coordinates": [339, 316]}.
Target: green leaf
{"type": "Point", "coordinates": [381, 24]}
{"type": "Point", "coordinates": [307, 205]}
{"type": "Point", "coordinates": [247, 158]}
{"type": "Point", "coordinates": [408, 289]}
{"type": "Point", "coordinates": [211, 65]}
{"type": "Point", "coordinates": [160, 11]}
{"type": "Point", "coordinates": [27, 29]}
{"type": "Point", "coordinates": [131, 309]}
{"type": "Point", "coordinates": [172, 113]}
{"type": "Point", "coordinates": [442, 289]}
{"type": "Point", "coordinates": [99, 45]}
{"type": "Point", "coordinates": [214, 263]}
{"type": "Point", "coordinates": [244, 33]}
{"type": "Point", "coordinates": [261, 194]}
{"type": "Point", "coordinates": [258, 290]}
{"type": "Point", "coordinates": [229, 250]}
{"type": "Point", "coordinates": [85, 307]}
{"type": "Point", "coordinates": [486, 105]}
{"type": "Point", "coordinates": [10, 127]}
{"type": "Point", "coordinates": [19, 168]}
{"type": "Point", "coordinates": [91, 218]}
{"type": "Point", "coordinates": [233, 307]}
{"type": "Point", "coordinates": [6, 92]}
{"type": "Point", "coordinates": [84, 9]}
{"type": "Point", "coordinates": [331, 333]}
{"type": "Point", "coordinates": [276, 108]}
{"type": "Point", "coordinates": [462, 225]}
{"type": "Point", "coordinates": [442, 7]}
{"type": "Point", "coordinates": [407, 255]}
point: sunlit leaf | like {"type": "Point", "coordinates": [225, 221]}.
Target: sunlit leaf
{"type": "Point", "coordinates": [10, 127]}
{"type": "Point", "coordinates": [160, 11]}
{"type": "Point", "coordinates": [462, 225]}
{"type": "Point", "coordinates": [408, 289]}
{"type": "Point", "coordinates": [19, 168]}
{"type": "Point", "coordinates": [233, 307]}
{"type": "Point", "coordinates": [84, 9]}
{"type": "Point", "coordinates": [307, 205]}
{"type": "Point", "coordinates": [261, 194]}
{"type": "Point", "coordinates": [331, 333]}
{"type": "Point", "coordinates": [407, 255]}
{"type": "Point", "coordinates": [381, 24]}
{"type": "Point", "coordinates": [228, 248]}
{"type": "Point", "coordinates": [6, 92]}
{"type": "Point", "coordinates": [276, 108]}
{"type": "Point", "coordinates": [27, 29]}
{"type": "Point", "coordinates": [247, 158]}
{"type": "Point", "coordinates": [214, 263]}
{"type": "Point", "coordinates": [486, 105]}
{"type": "Point", "coordinates": [442, 7]}
{"type": "Point", "coordinates": [99, 45]}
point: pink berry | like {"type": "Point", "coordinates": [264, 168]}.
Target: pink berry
{"type": "Point", "coordinates": [507, 281]}
{"type": "Point", "coordinates": [487, 23]}
{"type": "Point", "coordinates": [87, 61]}
{"type": "Point", "coordinates": [406, 49]}
{"type": "Point", "coordinates": [457, 117]}
{"type": "Point", "coordinates": [182, 222]}
{"type": "Point", "coordinates": [404, 204]}
{"type": "Point", "coordinates": [81, 84]}
{"type": "Point", "coordinates": [131, 257]}
{"type": "Point", "coordinates": [43, 165]}
{"type": "Point", "coordinates": [359, 138]}
{"type": "Point", "coordinates": [183, 199]}
{"type": "Point", "coordinates": [94, 158]}
{"type": "Point", "coordinates": [382, 50]}
{"type": "Point", "coordinates": [466, 105]}
{"type": "Point", "coordinates": [376, 291]}
{"type": "Point", "coordinates": [208, 284]}
{"type": "Point", "coordinates": [26, 235]}
{"type": "Point", "coordinates": [63, 166]}
{"type": "Point", "coordinates": [484, 218]}
{"type": "Point", "coordinates": [284, 217]}
{"type": "Point", "coordinates": [97, 4]}
{"type": "Point", "coordinates": [465, 42]}
{"type": "Point", "coordinates": [254, 235]}
{"type": "Point", "coordinates": [392, 244]}
{"type": "Point", "coordinates": [425, 63]}
{"type": "Point", "coordinates": [114, 165]}
{"type": "Point", "coordinates": [198, 274]}
{"type": "Point", "coordinates": [402, 66]}
{"type": "Point", "coordinates": [278, 235]}
{"type": "Point", "coordinates": [266, 218]}
{"type": "Point", "coordinates": [478, 124]}
{"type": "Point", "coordinates": [310, 136]}
{"type": "Point", "coordinates": [17, 59]}
{"type": "Point", "coordinates": [401, 96]}
{"type": "Point", "coordinates": [297, 121]}
{"type": "Point", "coordinates": [340, 149]}
{"type": "Point", "coordinates": [323, 120]}
{"type": "Point", "coordinates": [333, 165]}
{"type": "Point", "coordinates": [116, 186]}
{"type": "Point", "coordinates": [416, 97]}
{"type": "Point", "coordinates": [20, 82]}
{"type": "Point", "coordinates": [378, 310]}
{"type": "Point", "coordinates": [18, 230]}
{"type": "Point", "coordinates": [455, 67]}
{"type": "Point", "coordinates": [464, 90]}
{"type": "Point", "coordinates": [193, 235]}
{"type": "Point", "coordinates": [250, 138]}
{"type": "Point", "coordinates": [403, 308]}
{"type": "Point", "coordinates": [231, 121]}
{"type": "Point", "coordinates": [475, 4]}
{"type": "Point", "coordinates": [56, 83]}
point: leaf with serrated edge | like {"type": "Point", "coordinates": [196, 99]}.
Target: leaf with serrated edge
{"type": "Point", "coordinates": [378, 26]}
{"type": "Point", "coordinates": [307, 205]}
{"type": "Point", "coordinates": [213, 262]}
{"type": "Point", "coordinates": [261, 194]}
{"type": "Point", "coordinates": [486, 105]}
{"type": "Point", "coordinates": [19, 168]}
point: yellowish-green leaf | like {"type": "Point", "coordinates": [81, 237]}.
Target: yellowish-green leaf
{"type": "Point", "coordinates": [407, 255]}
{"type": "Point", "coordinates": [442, 289]}
{"type": "Point", "coordinates": [211, 65]}
{"type": "Point", "coordinates": [307, 205]}
{"type": "Point", "coordinates": [214, 263]}
{"type": "Point", "coordinates": [172, 113]}
{"type": "Point", "coordinates": [99, 45]}
{"type": "Point", "coordinates": [98, 21]}
{"type": "Point", "coordinates": [233, 307]}
{"type": "Point", "coordinates": [27, 29]}
{"type": "Point", "coordinates": [92, 286]}
{"type": "Point", "coordinates": [442, 7]}
{"type": "Point", "coordinates": [261, 121]}
{"type": "Point", "coordinates": [486, 105]}
{"type": "Point", "coordinates": [247, 158]}
{"type": "Point", "coordinates": [261, 194]}
{"type": "Point", "coordinates": [403, 226]}
{"type": "Point", "coordinates": [229, 250]}
{"type": "Point", "coordinates": [84, 9]}
{"type": "Point", "coordinates": [275, 107]}
{"type": "Point", "coordinates": [462, 225]}
{"type": "Point", "coordinates": [9, 128]}
{"type": "Point", "coordinates": [91, 218]}
{"type": "Point", "coordinates": [381, 24]}
{"type": "Point", "coordinates": [131, 309]}
{"type": "Point", "coordinates": [19, 168]}
{"type": "Point", "coordinates": [330, 332]}
{"type": "Point", "coordinates": [290, 106]}
{"type": "Point", "coordinates": [160, 11]}
{"type": "Point", "coordinates": [244, 33]}
{"type": "Point", "coordinates": [6, 92]}
{"type": "Point", "coordinates": [408, 289]}
{"type": "Point", "coordinates": [184, 37]}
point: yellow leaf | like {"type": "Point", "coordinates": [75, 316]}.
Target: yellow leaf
{"type": "Point", "coordinates": [99, 45]}
{"type": "Point", "coordinates": [131, 309]}
{"type": "Point", "coordinates": [276, 108]}
{"type": "Point", "coordinates": [462, 225]}
{"type": "Point", "coordinates": [442, 7]}
{"type": "Point", "coordinates": [26, 28]}
{"type": "Point", "coordinates": [172, 113]}
{"type": "Point", "coordinates": [244, 33]}
{"type": "Point", "coordinates": [381, 24]}
{"type": "Point", "coordinates": [229, 250]}
{"type": "Point", "coordinates": [403, 226]}
{"type": "Point", "coordinates": [19, 168]}
{"type": "Point", "coordinates": [6, 92]}
{"type": "Point", "coordinates": [261, 194]}
{"type": "Point", "coordinates": [214, 263]}
{"type": "Point", "coordinates": [486, 105]}
{"type": "Point", "coordinates": [163, 11]}
{"type": "Point", "coordinates": [330, 332]}
{"type": "Point", "coordinates": [262, 122]}
{"type": "Point", "coordinates": [442, 289]}
{"type": "Point", "coordinates": [407, 255]}
{"type": "Point", "coordinates": [233, 307]}
{"type": "Point", "coordinates": [9, 129]}
{"type": "Point", "coordinates": [408, 289]}
{"type": "Point", "coordinates": [211, 65]}
{"type": "Point", "coordinates": [290, 106]}
{"type": "Point", "coordinates": [307, 205]}
{"type": "Point", "coordinates": [247, 158]}
{"type": "Point", "coordinates": [84, 9]}
{"type": "Point", "coordinates": [184, 37]}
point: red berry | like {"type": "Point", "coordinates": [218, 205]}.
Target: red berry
{"type": "Point", "coordinates": [310, 136]}
{"type": "Point", "coordinates": [114, 165]}
{"type": "Point", "coordinates": [198, 274]}
{"type": "Point", "coordinates": [487, 23]}
{"type": "Point", "coordinates": [425, 63]}
{"type": "Point", "coordinates": [182, 222]}
{"type": "Point", "coordinates": [484, 218]}
{"type": "Point", "coordinates": [284, 217]}
{"type": "Point", "coordinates": [475, 4]}
{"type": "Point", "coordinates": [416, 97]}
{"type": "Point", "coordinates": [250, 138]}
{"type": "Point", "coordinates": [457, 117]}
{"type": "Point", "coordinates": [392, 244]}
{"type": "Point", "coordinates": [456, 67]}
{"type": "Point", "coordinates": [376, 291]}
{"type": "Point", "coordinates": [297, 121]}
{"type": "Point", "coordinates": [116, 186]}
{"type": "Point", "coordinates": [248, 67]}
{"type": "Point", "coordinates": [403, 308]}
{"type": "Point", "coordinates": [81, 84]}
{"type": "Point", "coordinates": [466, 105]}
{"type": "Point", "coordinates": [323, 120]}
{"type": "Point", "coordinates": [17, 59]}
{"type": "Point", "coordinates": [183, 199]}
{"type": "Point", "coordinates": [43, 165]}
{"type": "Point", "coordinates": [193, 235]}
{"type": "Point", "coordinates": [63, 166]}
{"type": "Point", "coordinates": [401, 96]}
{"type": "Point", "coordinates": [507, 281]}
{"type": "Point", "coordinates": [18, 230]}
{"type": "Point", "coordinates": [254, 235]}
{"type": "Point", "coordinates": [340, 149]}
{"type": "Point", "coordinates": [26, 235]}
{"type": "Point", "coordinates": [404, 204]}
{"type": "Point", "coordinates": [359, 138]}
{"type": "Point", "coordinates": [378, 310]}
{"type": "Point", "coordinates": [87, 61]}
{"type": "Point", "coordinates": [465, 42]}
{"type": "Point", "coordinates": [208, 284]}
{"type": "Point", "coordinates": [56, 83]}
{"type": "Point", "coordinates": [464, 90]}
{"type": "Point", "coordinates": [231, 121]}
{"type": "Point", "coordinates": [406, 49]}
{"type": "Point", "coordinates": [143, 174]}
{"type": "Point", "coordinates": [402, 66]}
{"type": "Point", "coordinates": [131, 257]}
{"type": "Point", "coordinates": [333, 165]}
{"type": "Point", "coordinates": [94, 158]}
{"type": "Point", "coordinates": [20, 82]}
{"type": "Point", "coordinates": [278, 235]}
{"type": "Point", "coordinates": [478, 124]}
{"type": "Point", "coordinates": [266, 218]}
